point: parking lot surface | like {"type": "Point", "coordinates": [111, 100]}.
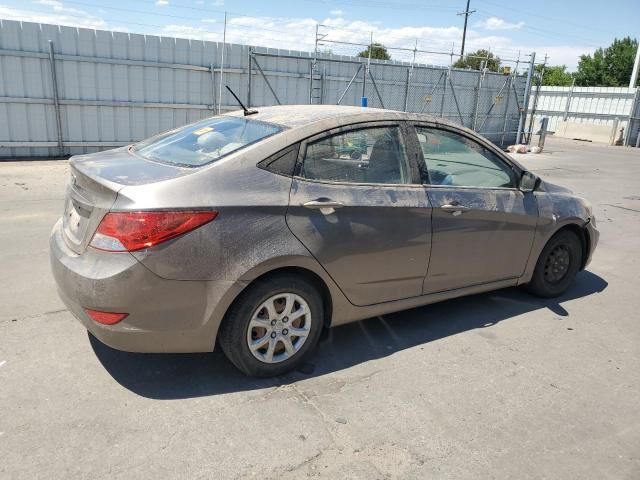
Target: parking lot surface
{"type": "Point", "coordinates": [499, 385]}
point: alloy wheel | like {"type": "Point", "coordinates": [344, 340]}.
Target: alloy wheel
{"type": "Point", "coordinates": [279, 327]}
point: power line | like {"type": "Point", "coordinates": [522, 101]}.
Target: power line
{"type": "Point", "coordinates": [562, 20]}
{"type": "Point", "coordinates": [549, 33]}
{"type": "Point", "coordinates": [386, 5]}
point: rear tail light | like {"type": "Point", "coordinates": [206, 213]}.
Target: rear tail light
{"type": "Point", "coordinates": [105, 318]}
{"type": "Point", "coordinates": [130, 231]}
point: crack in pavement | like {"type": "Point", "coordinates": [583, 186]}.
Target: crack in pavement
{"type": "Point", "coordinates": [621, 207]}
{"type": "Point", "coordinates": [31, 317]}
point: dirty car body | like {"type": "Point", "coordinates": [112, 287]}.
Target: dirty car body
{"type": "Point", "coordinates": [310, 192]}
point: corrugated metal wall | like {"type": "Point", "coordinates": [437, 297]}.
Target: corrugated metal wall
{"type": "Point", "coordinates": [594, 105]}
{"type": "Point", "coordinates": [116, 88]}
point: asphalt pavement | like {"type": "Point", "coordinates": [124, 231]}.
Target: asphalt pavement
{"type": "Point", "coordinates": [499, 385]}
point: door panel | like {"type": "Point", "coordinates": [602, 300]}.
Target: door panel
{"type": "Point", "coordinates": [375, 244]}
{"type": "Point", "coordinates": [481, 235]}
{"type": "Point", "coordinates": [483, 226]}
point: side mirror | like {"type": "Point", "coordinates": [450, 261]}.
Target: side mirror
{"type": "Point", "coordinates": [528, 182]}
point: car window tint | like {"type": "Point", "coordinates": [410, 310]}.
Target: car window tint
{"type": "Point", "coordinates": [455, 160]}
{"type": "Point", "coordinates": [205, 141]}
{"type": "Point", "coordinates": [366, 155]}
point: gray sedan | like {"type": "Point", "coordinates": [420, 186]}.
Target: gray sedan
{"type": "Point", "coordinates": [256, 230]}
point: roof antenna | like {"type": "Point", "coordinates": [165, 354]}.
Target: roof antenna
{"type": "Point", "coordinates": [246, 110]}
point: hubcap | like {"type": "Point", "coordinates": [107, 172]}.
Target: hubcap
{"type": "Point", "coordinates": [279, 327]}
{"type": "Point", "coordinates": [557, 264]}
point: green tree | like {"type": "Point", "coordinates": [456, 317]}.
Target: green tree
{"type": "Point", "coordinates": [378, 51]}
{"type": "Point", "coordinates": [555, 76]}
{"type": "Point", "coordinates": [475, 59]}
{"type": "Point", "coordinates": [608, 67]}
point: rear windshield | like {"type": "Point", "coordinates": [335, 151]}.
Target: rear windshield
{"type": "Point", "coordinates": [205, 141]}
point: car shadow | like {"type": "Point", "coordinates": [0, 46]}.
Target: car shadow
{"type": "Point", "coordinates": [176, 376]}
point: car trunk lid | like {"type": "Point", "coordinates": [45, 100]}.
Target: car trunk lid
{"type": "Point", "coordinates": [93, 188]}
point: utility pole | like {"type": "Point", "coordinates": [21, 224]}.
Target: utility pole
{"type": "Point", "coordinates": [636, 66]}
{"type": "Point", "coordinates": [466, 14]}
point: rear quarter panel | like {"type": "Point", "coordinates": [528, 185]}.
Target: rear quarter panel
{"type": "Point", "coordinates": [250, 227]}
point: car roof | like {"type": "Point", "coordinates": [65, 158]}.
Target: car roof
{"type": "Point", "coordinates": [310, 119]}
{"type": "Point", "coordinates": [293, 116]}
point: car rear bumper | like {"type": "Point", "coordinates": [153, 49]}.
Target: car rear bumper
{"type": "Point", "coordinates": [163, 315]}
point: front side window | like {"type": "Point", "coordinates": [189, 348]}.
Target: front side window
{"type": "Point", "coordinates": [366, 155]}
{"type": "Point", "coordinates": [205, 141]}
{"type": "Point", "coordinates": [455, 160]}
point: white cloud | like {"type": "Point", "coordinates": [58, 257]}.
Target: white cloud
{"type": "Point", "coordinates": [162, 3]}
{"type": "Point", "coordinates": [299, 34]}
{"type": "Point", "coordinates": [496, 23]}
{"type": "Point", "coordinates": [217, 3]}
{"type": "Point", "coordinates": [336, 13]}
{"type": "Point", "coordinates": [60, 15]}
{"type": "Point", "coordinates": [59, 7]}
{"type": "Point", "coordinates": [568, 55]}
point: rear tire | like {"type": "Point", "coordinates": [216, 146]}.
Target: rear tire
{"type": "Point", "coordinates": [273, 326]}
{"type": "Point", "coordinates": [557, 265]}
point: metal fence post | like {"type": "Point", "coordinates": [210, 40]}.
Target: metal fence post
{"type": "Point", "coordinates": [213, 89]}
{"type": "Point", "coordinates": [569, 95]}
{"type": "Point", "coordinates": [525, 103]}
{"type": "Point", "coordinates": [311, 82]}
{"type": "Point", "coordinates": [224, 43]}
{"type": "Point", "coordinates": [444, 93]}
{"type": "Point", "coordinates": [56, 100]}
{"type": "Point", "coordinates": [406, 90]}
{"type": "Point", "coordinates": [322, 75]}
{"type": "Point", "coordinates": [478, 89]}
{"type": "Point", "coordinates": [249, 79]}
{"type": "Point", "coordinates": [506, 110]}
{"type": "Point", "coordinates": [364, 81]}
{"type": "Point", "coordinates": [544, 124]}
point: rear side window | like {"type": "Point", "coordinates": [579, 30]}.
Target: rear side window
{"type": "Point", "coordinates": [205, 141]}
{"type": "Point", "coordinates": [457, 161]}
{"type": "Point", "coordinates": [367, 155]}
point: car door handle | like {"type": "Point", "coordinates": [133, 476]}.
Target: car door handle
{"type": "Point", "coordinates": [317, 204]}
{"type": "Point", "coordinates": [454, 208]}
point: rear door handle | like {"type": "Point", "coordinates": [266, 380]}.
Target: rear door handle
{"type": "Point", "coordinates": [317, 204]}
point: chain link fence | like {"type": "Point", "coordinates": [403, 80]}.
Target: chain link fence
{"type": "Point", "coordinates": [490, 103]}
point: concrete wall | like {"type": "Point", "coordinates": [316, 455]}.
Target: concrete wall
{"type": "Point", "coordinates": [584, 112]}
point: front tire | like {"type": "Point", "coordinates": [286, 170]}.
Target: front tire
{"type": "Point", "coordinates": [273, 326]}
{"type": "Point", "coordinates": [557, 265]}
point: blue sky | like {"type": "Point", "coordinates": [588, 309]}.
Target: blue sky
{"type": "Point", "coordinates": [561, 29]}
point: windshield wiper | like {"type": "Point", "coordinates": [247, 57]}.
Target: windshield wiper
{"type": "Point", "coordinates": [246, 110]}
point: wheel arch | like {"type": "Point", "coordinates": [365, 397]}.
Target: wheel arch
{"type": "Point", "coordinates": [582, 233]}
{"type": "Point", "coordinates": [300, 266]}
{"type": "Point", "coordinates": [310, 276]}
